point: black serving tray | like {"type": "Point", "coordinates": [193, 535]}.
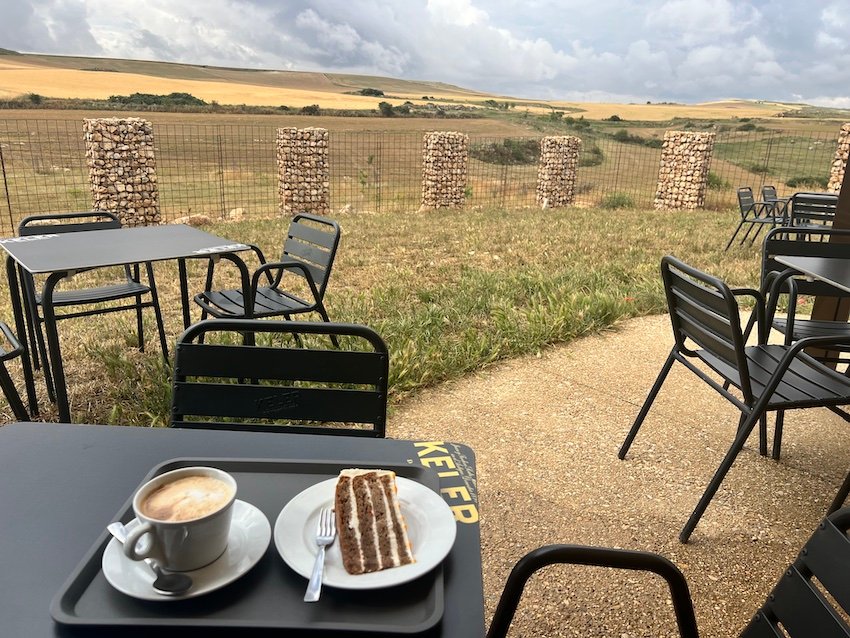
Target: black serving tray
{"type": "Point", "coordinates": [270, 596]}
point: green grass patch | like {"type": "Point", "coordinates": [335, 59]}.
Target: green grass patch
{"type": "Point", "coordinates": [450, 291]}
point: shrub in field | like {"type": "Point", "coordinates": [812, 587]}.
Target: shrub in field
{"type": "Point", "coordinates": [617, 200]}
{"type": "Point", "coordinates": [386, 109]}
{"type": "Point", "coordinates": [614, 118]}
{"type": "Point", "coordinates": [310, 109]}
{"type": "Point", "coordinates": [508, 151]}
{"type": "Point", "coordinates": [371, 92]}
{"type": "Point", "coordinates": [808, 182]}
{"type": "Point", "coordinates": [625, 137]}
{"type": "Point", "coordinates": [172, 99]}
{"type": "Point", "coordinates": [592, 155]}
{"type": "Point", "coordinates": [748, 126]}
{"type": "Point", "coordinates": [762, 169]}
{"type": "Point", "coordinates": [715, 181]}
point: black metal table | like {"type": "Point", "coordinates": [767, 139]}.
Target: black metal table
{"type": "Point", "coordinates": [62, 255]}
{"type": "Point", "coordinates": [830, 270]}
{"type": "Point", "coordinates": [61, 484]}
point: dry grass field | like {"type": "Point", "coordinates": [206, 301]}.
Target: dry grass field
{"type": "Point", "coordinates": [93, 78]}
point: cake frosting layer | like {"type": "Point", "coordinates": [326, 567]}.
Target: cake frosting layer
{"type": "Point", "coordinates": [370, 526]}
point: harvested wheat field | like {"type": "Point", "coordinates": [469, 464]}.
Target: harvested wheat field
{"type": "Point", "coordinates": [546, 430]}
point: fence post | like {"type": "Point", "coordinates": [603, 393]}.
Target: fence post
{"type": "Point", "coordinates": [6, 188]}
{"type": "Point", "coordinates": [221, 176]}
{"type": "Point", "coordinates": [556, 173]}
{"type": "Point", "coordinates": [683, 174]}
{"type": "Point", "coordinates": [122, 169]}
{"type": "Point", "coordinates": [304, 182]}
{"type": "Point", "coordinates": [842, 151]}
{"type": "Point", "coordinates": [445, 158]}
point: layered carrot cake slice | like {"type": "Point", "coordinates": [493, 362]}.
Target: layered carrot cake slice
{"type": "Point", "coordinates": [372, 532]}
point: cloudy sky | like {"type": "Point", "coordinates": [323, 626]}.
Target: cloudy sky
{"type": "Point", "coordinates": [590, 50]}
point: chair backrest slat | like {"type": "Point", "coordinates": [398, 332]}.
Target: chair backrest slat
{"type": "Point", "coordinates": [312, 241]}
{"type": "Point", "coordinates": [745, 199]}
{"type": "Point", "coordinates": [802, 610]}
{"type": "Point", "coordinates": [702, 315]}
{"type": "Point", "coordinates": [67, 223]}
{"type": "Point", "coordinates": [236, 361]}
{"type": "Point", "coordinates": [813, 207]}
{"type": "Point", "coordinates": [277, 388]}
{"type": "Point", "coordinates": [277, 402]}
{"type": "Point", "coordinates": [768, 193]}
{"type": "Point", "coordinates": [803, 602]}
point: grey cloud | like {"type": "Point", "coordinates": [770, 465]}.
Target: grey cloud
{"type": "Point", "coordinates": [685, 50]}
{"type": "Point", "coordinates": [46, 26]}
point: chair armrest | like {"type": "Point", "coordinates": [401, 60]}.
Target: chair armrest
{"type": "Point", "coordinates": [598, 557]}
{"type": "Point", "coordinates": [16, 348]}
{"type": "Point", "coordinates": [212, 263]}
{"type": "Point", "coordinates": [278, 267]}
{"type": "Point", "coordinates": [757, 317]}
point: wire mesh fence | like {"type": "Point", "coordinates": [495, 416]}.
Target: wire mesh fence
{"type": "Point", "coordinates": [214, 169]}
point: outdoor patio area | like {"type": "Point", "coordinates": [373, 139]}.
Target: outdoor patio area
{"type": "Point", "coordinates": [546, 431]}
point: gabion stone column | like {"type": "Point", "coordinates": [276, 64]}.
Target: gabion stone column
{"type": "Point", "coordinates": [556, 173]}
{"type": "Point", "coordinates": [445, 156]}
{"type": "Point", "coordinates": [122, 169]}
{"type": "Point", "coordinates": [683, 175]}
{"type": "Point", "coordinates": [836, 173]}
{"type": "Point", "coordinates": [304, 177]}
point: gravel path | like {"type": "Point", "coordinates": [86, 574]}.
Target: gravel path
{"type": "Point", "coordinates": [546, 430]}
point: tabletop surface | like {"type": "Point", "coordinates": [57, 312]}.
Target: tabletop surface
{"type": "Point", "coordinates": [61, 252]}
{"type": "Point", "coordinates": [832, 270]}
{"type": "Point", "coordinates": [61, 484]}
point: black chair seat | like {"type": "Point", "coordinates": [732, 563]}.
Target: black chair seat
{"type": "Point", "coordinates": [805, 383]}
{"type": "Point", "coordinates": [95, 295]}
{"type": "Point", "coordinates": [268, 302]}
{"type": "Point", "coordinates": [813, 328]}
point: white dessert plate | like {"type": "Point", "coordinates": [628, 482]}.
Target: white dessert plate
{"type": "Point", "coordinates": [430, 525]}
{"type": "Point", "coordinates": [250, 533]}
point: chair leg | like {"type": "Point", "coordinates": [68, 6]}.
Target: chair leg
{"type": "Point", "coordinates": [45, 361]}
{"type": "Point", "coordinates": [160, 326]}
{"type": "Point", "coordinates": [746, 234]}
{"type": "Point", "coordinates": [659, 381]}
{"type": "Point", "coordinates": [758, 232]}
{"type": "Point", "coordinates": [140, 326]}
{"type": "Point", "coordinates": [12, 395]}
{"type": "Point", "coordinates": [732, 238]}
{"type": "Point", "coordinates": [321, 310]}
{"type": "Point", "coordinates": [777, 434]}
{"type": "Point", "coordinates": [725, 465]}
{"type": "Point", "coordinates": [839, 499]}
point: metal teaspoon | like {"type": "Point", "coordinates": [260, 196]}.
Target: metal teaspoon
{"type": "Point", "coordinates": [166, 583]}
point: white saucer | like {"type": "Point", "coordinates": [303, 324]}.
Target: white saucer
{"type": "Point", "coordinates": [250, 534]}
{"type": "Point", "coordinates": [430, 522]}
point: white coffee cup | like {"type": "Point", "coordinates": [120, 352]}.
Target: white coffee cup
{"type": "Point", "coordinates": [186, 513]}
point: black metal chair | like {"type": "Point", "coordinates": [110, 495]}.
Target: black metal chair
{"type": "Point", "coordinates": [812, 210]}
{"type": "Point", "coordinates": [130, 288]}
{"type": "Point", "coordinates": [8, 351]}
{"type": "Point", "coordinates": [814, 242]}
{"type": "Point", "coordinates": [277, 387]}
{"type": "Point", "coordinates": [809, 600]}
{"type": "Point", "coordinates": [308, 253]}
{"type": "Point", "coordinates": [710, 342]}
{"type": "Point", "coordinates": [780, 204]}
{"type": "Point", "coordinates": [755, 214]}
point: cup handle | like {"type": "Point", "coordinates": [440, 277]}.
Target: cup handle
{"type": "Point", "coordinates": [133, 537]}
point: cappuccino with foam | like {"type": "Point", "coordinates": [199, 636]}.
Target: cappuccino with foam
{"type": "Point", "coordinates": [187, 498]}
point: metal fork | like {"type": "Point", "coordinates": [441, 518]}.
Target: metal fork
{"type": "Point", "coordinates": [325, 534]}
